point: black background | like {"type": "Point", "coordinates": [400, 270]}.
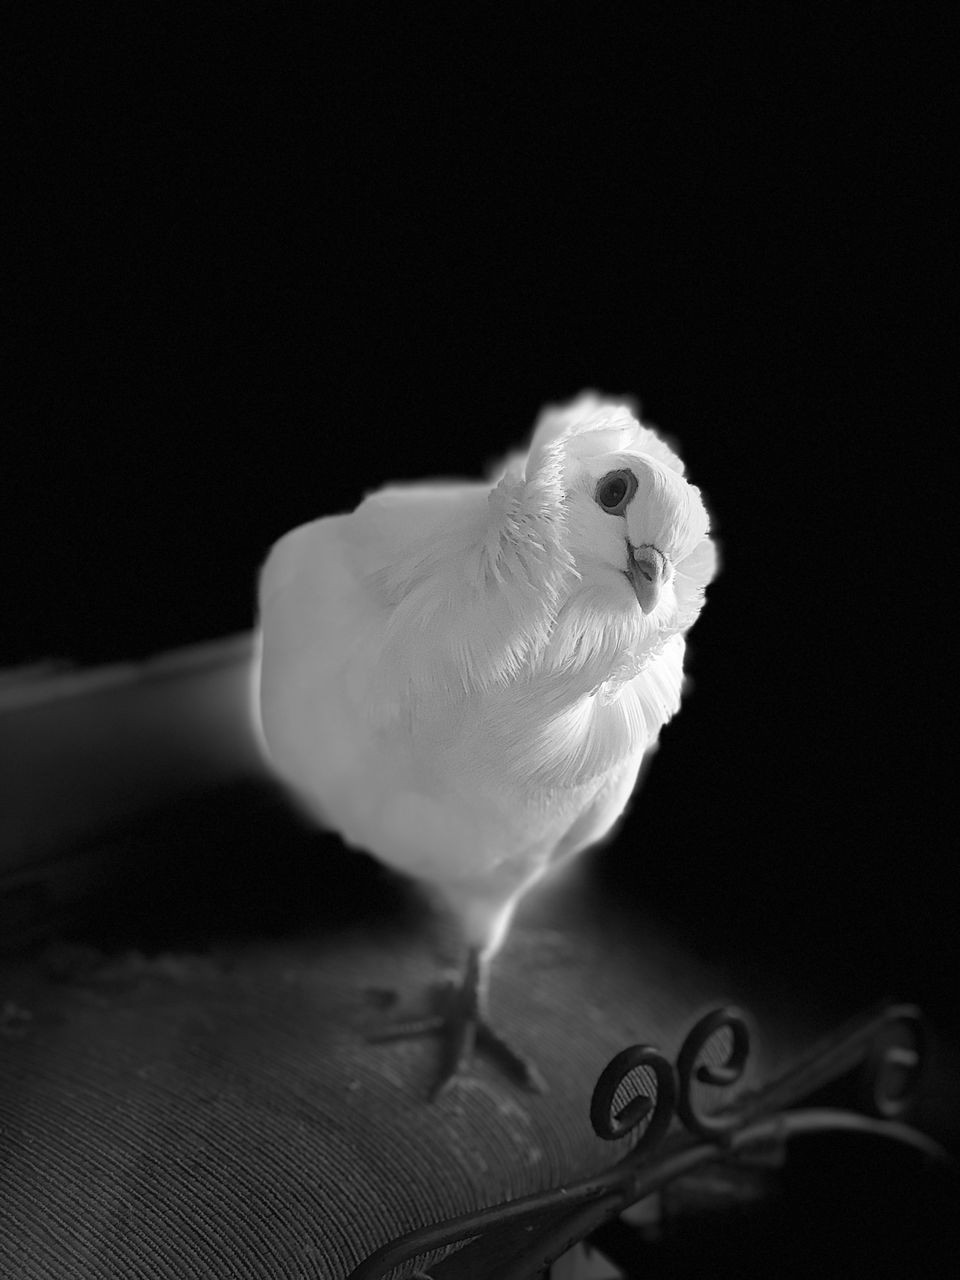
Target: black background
{"type": "Point", "coordinates": [264, 262]}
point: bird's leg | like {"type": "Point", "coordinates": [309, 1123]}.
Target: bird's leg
{"type": "Point", "coordinates": [490, 1040]}
{"type": "Point", "coordinates": [463, 1026]}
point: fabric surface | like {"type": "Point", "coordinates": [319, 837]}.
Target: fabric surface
{"type": "Point", "coordinates": [175, 1104]}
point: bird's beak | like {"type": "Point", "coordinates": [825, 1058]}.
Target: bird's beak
{"type": "Point", "coordinates": [647, 570]}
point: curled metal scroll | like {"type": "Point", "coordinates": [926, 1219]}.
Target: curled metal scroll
{"type": "Point", "coordinates": [714, 1125]}
{"type": "Point", "coordinates": [658, 1110]}
{"type": "Point", "coordinates": [894, 1064]}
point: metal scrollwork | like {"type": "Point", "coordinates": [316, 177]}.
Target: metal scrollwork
{"type": "Point", "coordinates": [676, 1093]}
{"type": "Point", "coordinates": [720, 1075]}
{"type": "Point", "coordinates": [895, 1061]}
{"type": "Point", "coordinates": [660, 1109]}
{"type": "Point", "coordinates": [886, 1047]}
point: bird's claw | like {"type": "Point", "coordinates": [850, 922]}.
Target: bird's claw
{"type": "Point", "coordinates": [464, 1029]}
{"type": "Point", "coordinates": [513, 1063]}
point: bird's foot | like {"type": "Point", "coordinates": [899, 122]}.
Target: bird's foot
{"type": "Point", "coordinates": [463, 1028]}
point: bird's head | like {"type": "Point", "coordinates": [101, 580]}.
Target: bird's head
{"type": "Point", "coordinates": [636, 528]}
{"type": "Point", "coordinates": [630, 522]}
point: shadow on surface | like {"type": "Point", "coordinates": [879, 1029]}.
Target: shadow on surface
{"type": "Point", "coordinates": [239, 864]}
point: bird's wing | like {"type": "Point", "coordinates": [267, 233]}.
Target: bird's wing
{"type": "Point", "coordinates": [362, 620]}
{"type": "Point", "coordinates": [324, 609]}
{"type": "Point", "coordinates": [395, 527]}
{"type": "Point", "coordinates": [423, 592]}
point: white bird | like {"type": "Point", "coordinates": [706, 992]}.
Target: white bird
{"type": "Point", "coordinates": [462, 679]}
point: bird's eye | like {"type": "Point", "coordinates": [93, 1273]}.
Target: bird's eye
{"type": "Point", "coordinates": [615, 490]}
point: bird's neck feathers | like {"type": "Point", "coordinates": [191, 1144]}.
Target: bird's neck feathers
{"type": "Point", "coordinates": [475, 604]}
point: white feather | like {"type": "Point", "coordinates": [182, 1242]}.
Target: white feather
{"type": "Point", "coordinates": [459, 678]}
